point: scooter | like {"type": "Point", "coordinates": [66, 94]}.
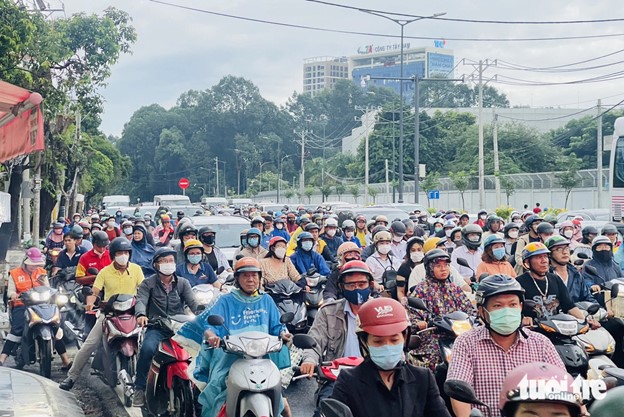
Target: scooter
{"type": "Point", "coordinates": [289, 299]}
{"type": "Point", "coordinates": [561, 329]}
{"type": "Point", "coordinates": [254, 386]}
{"type": "Point", "coordinates": [43, 319]}
{"type": "Point", "coordinates": [314, 297]}
{"type": "Point", "coordinates": [73, 312]}
{"type": "Point", "coordinates": [168, 391]}
{"type": "Point", "coordinates": [463, 392]}
{"type": "Point", "coordinates": [116, 358]}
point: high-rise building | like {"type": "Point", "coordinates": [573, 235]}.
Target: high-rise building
{"type": "Point", "coordinates": [322, 73]}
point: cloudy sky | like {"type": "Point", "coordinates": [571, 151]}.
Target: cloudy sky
{"type": "Point", "coordinates": [179, 49]}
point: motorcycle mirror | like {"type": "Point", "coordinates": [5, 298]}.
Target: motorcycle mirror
{"type": "Point", "coordinates": [414, 342]}
{"type": "Point", "coordinates": [417, 303]}
{"type": "Point", "coordinates": [482, 276]}
{"type": "Point", "coordinates": [528, 308]}
{"type": "Point", "coordinates": [215, 320]}
{"type": "Point", "coordinates": [593, 309]}
{"type": "Point", "coordinates": [592, 270]}
{"type": "Point", "coordinates": [389, 275]}
{"type": "Point", "coordinates": [463, 262]}
{"type": "Point", "coordinates": [461, 391]}
{"type": "Point", "coordinates": [86, 290]}
{"type": "Point", "coordinates": [582, 255]}
{"type": "Point", "coordinates": [615, 290]}
{"type": "Point", "coordinates": [475, 412]}
{"type": "Point", "coordinates": [311, 271]}
{"type": "Point", "coordinates": [334, 408]}
{"type": "Point", "coordinates": [229, 279]}
{"type": "Point", "coordinates": [304, 341]}
{"type": "Point", "coordinates": [92, 271]}
{"type": "Point", "coordinates": [220, 270]}
{"type": "Point", "coordinates": [287, 317]}
{"type": "Point", "coordinates": [239, 257]}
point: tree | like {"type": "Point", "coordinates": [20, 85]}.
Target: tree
{"type": "Point", "coordinates": [355, 192]}
{"type": "Point", "coordinates": [460, 181]}
{"type": "Point", "coordinates": [309, 192]}
{"type": "Point", "coordinates": [326, 191]}
{"type": "Point", "coordinates": [289, 193]}
{"type": "Point", "coordinates": [508, 185]}
{"type": "Point", "coordinates": [373, 192]}
{"type": "Point", "coordinates": [429, 183]}
{"type": "Point", "coordinates": [340, 190]}
{"type": "Point", "coordinates": [568, 177]}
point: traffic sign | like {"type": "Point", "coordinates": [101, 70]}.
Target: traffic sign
{"type": "Point", "coordinates": [434, 195]}
{"type": "Point", "coordinates": [184, 183]}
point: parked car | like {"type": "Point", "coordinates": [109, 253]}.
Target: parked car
{"type": "Point", "coordinates": [591, 217]}
{"type": "Point", "coordinates": [407, 207]}
{"type": "Point", "coordinates": [369, 212]}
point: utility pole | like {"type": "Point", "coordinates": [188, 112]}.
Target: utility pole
{"type": "Point", "coordinates": [217, 171]}
{"type": "Point", "coordinates": [366, 122]}
{"type": "Point", "coordinates": [481, 152]}
{"type": "Point", "coordinates": [36, 199]}
{"type": "Point", "coordinates": [387, 182]}
{"type": "Point", "coordinates": [416, 139]}
{"type": "Point", "coordinates": [496, 163]}
{"type": "Point", "coordinates": [599, 154]}
{"type": "Point", "coordinates": [302, 135]}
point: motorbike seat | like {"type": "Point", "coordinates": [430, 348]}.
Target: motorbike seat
{"type": "Point", "coordinates": [615, 372]}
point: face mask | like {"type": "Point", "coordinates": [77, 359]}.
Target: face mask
{"type": "Point", "coordinates": [194, 259]}
{"type": "Point", "coordinates": [253, 242]}
{"type": "Point", "coordinates": [474, 239]}
{"type": "Point", "coordinates": [397, 239]}
{"type": "Point", "coordinates": [383, 249]}
{"type": "Point", "coordinates": [437, 229]}
{"type": "Point", "coordinates": [76, 219]}
{"type": "Point", "coordinates": [85, 237]}
{"type": "Point", "coordinates": [351, 259]}
{"type": "Point", "coordinates": [330, 232]}
{"type": "Point", "coordinates": [208, 240]}
{"type": "Point", "coordinates": [320, 223]}
{"type": "Point", "coordinates": [243, 241]}
{"type": "Point", "coordinates": [568, 234]}
{"type": "Point", "coordinates": [603, 255]}
{"type": "Point", "coordinates": [482, 217]}
{"type": "Point", "coordinates": [386, 357]}
{"type": "Point", "coordinates": [513, 234]}
{"type": "Point", "coordinates": [122, 260]}
{"type": "Point", "coordinates": [417, 256]}
{"type": "Point", "coordinates": [127, 230]}
{"type": "Point", "coordinates": [499, 253]}
{"type": "Point", "coordinates": [290, 220]}
{"type": "Point", "coordinates": [166, 269]}
{"type": "Point", "coordinates": [111, 224]}
{"type": "Point", "coordinates": [307, 246]}
{"type": "Point", "coordinates": [280, 252]}
{"type": "Point", "coordinates": [505, 321]}
{"type": "Point", "coordinates": [357, 296]}
{"type": "Point", "coordinates": [279, 226]}
{"type": "Point", "coordinates": [448, 233]}
{"type": "Point", "coordinates": [348, 235]}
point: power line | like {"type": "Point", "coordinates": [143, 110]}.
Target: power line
{"type": "Point", "coordinates": [523, 67]}
{"type": "Point", "coordinates": [547, 119]}
{"type": "Point", "coordinates": [385, 35]}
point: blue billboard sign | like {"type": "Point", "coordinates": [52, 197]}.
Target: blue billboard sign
{"type": "Point", "coordinates": [409, 70]}
{"type": "Point", "coordinates": [440, 65]}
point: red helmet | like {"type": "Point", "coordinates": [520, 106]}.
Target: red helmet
{"type": "Point", "coordinates": [382, 316]}
{"type": "Point", "coordinates": [536, 371]}
{"type": "Point", "coordinates": [355, 266]}
{"type": "Point", "coordinates": [276, 239]}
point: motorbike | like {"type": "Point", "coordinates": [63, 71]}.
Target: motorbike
{"type": "Point", "coordinates": [561, 329]}
{"type": "Point", "coordinates": [43, 319]}
{"type": "Point", "coordinates": [314, 297]}
{"type": "Point", "coordinates": [168, 391]}
{"type": "Point", "coordinates": [73, 312]}
{"type": "Point", "coordinates": [290, 298]}
{"type": "Point", "coordinates": [254, 386]}
{"type": "Point", "coordinates": [462, 391]}
{"type": "Point", "coordinates": [116, 358]}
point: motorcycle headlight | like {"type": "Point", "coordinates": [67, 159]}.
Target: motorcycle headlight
{"type": "Point", "coordinates": [62, 299]}
{"type": "Point", "coordinates": [611, 347]}
{"type": "Point", "coordinates": [448, 353]}
{"type": "Point", "coordinates": [204, 298]}
{"type": "Point", "coordinates": [72, 299]}
{"type": "Point", "coordinates": [256, 347]}
{"type": "Point", "coordinates": [40, 296]}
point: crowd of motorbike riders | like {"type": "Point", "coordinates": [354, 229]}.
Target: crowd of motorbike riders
{"type": "Point", "coordinates": [388, 286]}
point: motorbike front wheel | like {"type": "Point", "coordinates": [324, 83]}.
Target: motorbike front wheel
{"type": "Point", "coordinates": [45, 357]}
{"type": "Point", "coordinates": [127, 364]}
{"type": "Point", "coordinates": [182, 399]}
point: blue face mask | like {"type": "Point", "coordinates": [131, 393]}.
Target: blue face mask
{"type": "Point", "coordinates": [253, 242]}
{"type": "Point", "coordinates": [386, 357]}
{"type": "Point", "coordinates": [499, 253]}
{"type": "Point", "coordinates": [243, 241]}
{"type": "Point", "coordinates": [194, 259]}
{"type": "Point", "coordinates": [356, 296]}
{"type": "Point", "coordinates": [307, 246]}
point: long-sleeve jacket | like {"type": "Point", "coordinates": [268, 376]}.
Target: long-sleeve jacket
{"type": "Point", "coordinates": [577, 286]}
{"type": "Point", "coordinates": [329, 330]}
{"type": "Point", "coordinates": [154, 301]}
{"type": "Point", "coordinates": [607, 271]}
{"type": "Point", "coordinates": [305, 260]}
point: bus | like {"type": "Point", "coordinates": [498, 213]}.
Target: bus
{"type": "Point", "coordinates": [616, 164]}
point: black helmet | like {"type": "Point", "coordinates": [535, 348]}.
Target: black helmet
{"type": "Point", "coordinates": [75, 231]}
{"type": "Point", "coordinates": [471, 229]}
{"type": "Point", "coordinates": [186, 229]}
{"type": "Point", "coordinates": [545, 228]}
{"type": "Point", "coordinates": [432, 255]}
{"type": "Point", "coordinates": [609, 228]}
{"type": "Point", "coordinates": [100, 239]}
{"type": "Point", "coordinates": [311, 226]}
{"type": "Point", "coordinates": [119, 244]}
{"type": "Point", "coordinates": [205, 229]}
{"type": "Point", "coordinates": [398, 228]}
{"type": "Point", "coordinates": [508, 228]}
{"type": "Point", "coordinates": [589, 230]}
{"type": "Point", "coordinates": [496, 285]}
{"type": "Point", "coordinates": [160, 252]}
{"type": "Point", "coordinates": [491, 219]}
{"type": "Point", "coordinates": [532, 219]}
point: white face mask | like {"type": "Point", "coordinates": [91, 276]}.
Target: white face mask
{"type": "Point", "coordinates": [122, 260]}
{"type": "Point", "coordinates": [279, 226]}
{"type": "Point", "coordinates": [448, 232]}
{"type": "Point", "coordinates": [568, 234]}
{"type": "Point", "coordinates": [330, 232]}
{"type": "Point", "coordinates": [111, 223]}
{"type": "Point", "coordinates": [417, 256]}
{"type": "Point", "coordinates": [280, 252]}
{"type": "Point", "coordinates": [127, 230]}
{"type": "Point", "coordinates": [397, 239]}
{"type": "Point", "coordinates": [383, 248]}
{"type": "Point", "coordinates": [513, 234]}
{"type": "Point", "coordinates": [348, 235]}
{"type": "Point", "coordinates": [167, 269]}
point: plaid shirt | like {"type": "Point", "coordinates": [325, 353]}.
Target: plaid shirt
{"type": "Point", "coordinates": [483, 364]}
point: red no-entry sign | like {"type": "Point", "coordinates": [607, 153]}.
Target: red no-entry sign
{"type": "Point", "coordinates": [184, 183]}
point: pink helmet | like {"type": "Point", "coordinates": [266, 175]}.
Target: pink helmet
{"type": "Point", "coordinates": [567, 223]}
{"type": "Point", "coordinates": [34, 257]}
{"type": "Point", "coordinates": [537, 371]}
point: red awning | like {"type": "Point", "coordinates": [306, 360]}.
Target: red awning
{"type": "Point", "coordinates": [21, 122]}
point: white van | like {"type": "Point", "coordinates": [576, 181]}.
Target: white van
{"type": "Point", "coordinates": [169, 200]}
{"type": "Point", "coordinates": [241, 202]}
{"type": "Point", "coordinates": [116, 201]}
{"type": "Point", "coordinates": [214, 201]}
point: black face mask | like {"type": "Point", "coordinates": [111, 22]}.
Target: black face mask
{"type": "Point", "coordinates": [603, 255]}
{"type": "Point", "coordinates": [290, 220]}
{"type": "Point", "coordinates": [208, 239]}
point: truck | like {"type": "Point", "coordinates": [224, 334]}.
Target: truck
{"type": "Point", "coordinates": [115, 201]}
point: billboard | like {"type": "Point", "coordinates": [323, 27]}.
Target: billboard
{"type": "Point", "coordinates": [440, 65]}
{"type": "Point", "coordinates": [409, 70]}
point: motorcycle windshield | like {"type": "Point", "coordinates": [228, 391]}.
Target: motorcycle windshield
{"type": "Point", "coordinates": [253, 344]}
{"type": "Point", "coordinates": [284, 286]}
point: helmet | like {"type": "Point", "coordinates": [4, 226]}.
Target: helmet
{"type": "Point", "coordinates": [412, 241]}
{"type": "Point", "coordinates": [511, 392]}
{"type": "Point", "coordinates": [471, 229]}
{"type": "Point", "coordinates": [348, 224]}
{"type": "Point", "coordinates": [433, 255]}
{"type": "Point", "coordinates": [247, 264]}
{"type": "Point", "coordinates": [361, 217]}
{"type": "Point", "coordinates": [611, 405]}
{"type": "Point", "coordinates": [508, 228]}
{"type": "Point", "coordinates": [186, 229]}
{"type": "Point", "coordinates": [304, 235]}
{"type": "Point", "coordinates": [347, 247]}
{"type": "Point", "coordinates": [599, 240]}
{"type": "Point", "coordinates": [554, 241]}
{"type": "Point", "coordinates": [100, 238]}
{"type": "Point", "coordinates": [382, 317]}
{"type": "Point", "coordinates": [608, 228]}
{"type": "Point", "coordinates": [545, 228]}
{"type": "Point", "coordinates": [254, 231]}
{"type": "Point", "coordinates": [75, 231]}
{"type": "Point", "coordinates": [257, 219]}
{"type": "Point", "coordinates": [589, 230]}
{"type": "Point", "coordinates": [495, 285]}
{"type": "Point", "coordinates": [491, 219]}
{"type": "Point", "coordinates": [193, 244]}
{"type": "Point", "coordinates": [354, 266]}
{"type": "Point", "coordinates": [331, 222]}
{"type": "Point", "coordinates": [275, 240]}
{"type": "Point", "coordinates": [431, 243]}
{"type": "Point", "coordinates": [532, 219]}
{"type": "Point", "coordinates": [205, 229]}
{"type": "Point", "coordinates": [303, 220]}
{"type": "Point", "coordinates": [492, 239]}
{"type": "Point", "coordinates": [317, 216]}
{"type": "Point", "coordinates": [119, 244]}
{"type": "Point", "coordinates": [449, 224]}
{"type": "Point", "coordinates": [278, 220]}
{"type": "Point", "coordinates": [533, 249]}
{"type": "Point", "coordinates": [398, 228]}
{"type": "Point", "coordinates": [311, 226]}
{"type": "Point", "coordinates": [381, 218]}
{"type": "Point", "coordinates": [550, 218]}
{"type": "Point", "coordinates": [482, 211]}
{"type": "Point", "coordinates": [567, 223]}
{"type": "Point", "coordinates": [162, 252]}
{"type": "Point", "coordinates": [382, 235]}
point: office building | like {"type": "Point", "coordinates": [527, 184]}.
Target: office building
{"type": "Point", "coordinates": [322, 73]}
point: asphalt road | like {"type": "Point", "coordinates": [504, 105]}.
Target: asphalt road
{"type": "Point", "coordinates": [300, 396]}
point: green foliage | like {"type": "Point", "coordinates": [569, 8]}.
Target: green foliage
{"type": "Point", "coordinates": [504, 212]}
{"type": "Point", "coordinates": [354, 190]}
{"type": "Point", "coordinates": [460, 181]}
{"type": "Point", "coordinates": [289, 193]}
{"type": "Point", "coordinates": [508, 186]}
{"type": "Point", "coordinates": [325, 190]}
{"type": "Point", "coordinates": [429, 183]}
{"type": "Point", "coordinates": [373, 192]}
{"type": "Point", "coordinates": [568, 177]}
{"type": "Point", "coordinates": [340, 190]}
{"type": "Point", "coordinates": [309, 192]}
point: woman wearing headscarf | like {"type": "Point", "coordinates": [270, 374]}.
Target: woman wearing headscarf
{"type": "Point", "coordinates": [142, 252]}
